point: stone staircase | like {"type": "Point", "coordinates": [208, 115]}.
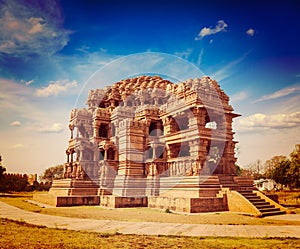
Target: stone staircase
{"type": "Point", "coordinates": [264, 207]}
{"type": "Point", "coordinates": [209, 186]}
{"type": "Point", "coordinates": [244, 186]}
{"type": "Point", "coordinates": [227, 181]}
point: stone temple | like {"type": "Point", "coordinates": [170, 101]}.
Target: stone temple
{"type": "Point", "coordinates": [148, 142]}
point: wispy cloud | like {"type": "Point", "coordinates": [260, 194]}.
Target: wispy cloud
{"type": "Point", "coordinates": [56, 87]}
{"type": "Point", "coordinates": [54, 128]}
{"type": "Point", "coordinates": [31, 28]}
{"type": "Point", "coordinates": [14, 99]}
{"type": "Point", "coordinates": [199, 61]}
{"type": "Point", "coordinates": [280, 93]}
{"type": "Point", "coordinates": [18, 102]}
{"type": "Point", "coordinates": [250, 32]}
{"type": "Point", "coordinates": [239, 96]}
{"type": "Point", "coordinates": [220, 26]}
{"type": "Point", "coordinates": [27, 83]}
{"type": "Point", "coordinates": [259, 121]}
{"type": "Point", "coordinates": [16, 146]}
{"type": "Point", "coordinates": [224, 72]}
{"type": "Point", "coordinates": [15, 123]}
{"type": "Point", "coordinates": [184, 54]}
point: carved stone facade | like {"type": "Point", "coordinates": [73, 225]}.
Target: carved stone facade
{"type": "Point", "coordinates": [149, 128]}
{"type": "Point", "coordinates": [147, 142]}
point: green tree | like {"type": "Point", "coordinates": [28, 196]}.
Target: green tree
{"type": "Point", "coordinates": [53, 173]}
{"type": "Point", "coordinates": [239, 170]}
{"type": "Point", "coordinates": [294, 170]}
{"type": "Point", "coordinates": [270, 164]}
{"type": "Point", "coordinates": [2, 171]}
{"type": "Point", "coordinates": [15, 182]}
{"type": "Point", "coordinates": [280, 173]}
{"type": "Point", "coordinates": [2, 179]}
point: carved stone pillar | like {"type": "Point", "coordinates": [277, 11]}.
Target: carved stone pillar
{"type": "Point", "coordinates": [71, 153]}
{"type": "Point", "coordinates": [68, 156]}
{"type": "Point", "coordinates": [154, 152]}
{"type": "Point", "coordinates": [105, 153]}
{"type": "Point", "coordinates": [166, 125]}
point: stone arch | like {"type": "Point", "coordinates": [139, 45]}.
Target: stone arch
{"type": "Point", "coordinates": [111, 154]}
{"type": "Point", "coordinates": [103, 131]}
{"type": "Point", "coordinates": [183, 122]}
{"type": "Point", "coordinates": [156, 128]}
{"type": "Point", "coordinates": [101, 154]}
{"type": "Point", "coordinates": [211, 121]}
{"type": "Point", "coordinates": [174, 127]}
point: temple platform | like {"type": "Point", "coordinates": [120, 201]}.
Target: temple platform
{"type": "Point", "coordinates": [189, 194]}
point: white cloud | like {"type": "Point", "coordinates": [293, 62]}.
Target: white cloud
{"type": "Point", "coordinates": [220, 26]}
{"type": "Point", "coordinates": [27, 83]}
{"type": "Point", "coordinates": [280, 93]}
{"type": "Point", "coordinates": [260, 121]}
{"type": "Point", "coordinates": [290, 104]}
{"type": "Point", "coordinates": [15, 123]}
{"type": "Point", "coordinates": [239, 96]}
{"type": "Point", "coordinates": [31, 28]}
{"type": "Point", "coordinates": [14, 100]}
{"type": "Point", "coordinates": [17, 146]}
{"type": "Point", "coordinates": [224, 72]}
{"type": "Point", "coordinates": [56, 87]}
{"type": "Point", "coordinates": [18, 102]}
{"type": "Point", "coordinates": [205, 31]}
{"type": "Point", "coordinates": [37, 25]}
{"type": "Point", "coordinates": [199, 61]}
{"type": "Point", "coordinates": [250, 32]}
{"type": "Point", "coordinates": [54, 128]}
{"type": "Point", "coordinates": [41, 127]}
{"type": "Point", "coordinates": [185, 54]}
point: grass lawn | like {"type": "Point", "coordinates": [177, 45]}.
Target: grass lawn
{"type": "Point", "coordinates": [142, 214]}
{"type": "Point", "coordinates": [21, 235]}
{"type": "Point", "coordinates": [289, 199]}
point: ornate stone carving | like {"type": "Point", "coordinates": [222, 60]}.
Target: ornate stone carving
{"type": "Point", "coordinates": [135, 108]}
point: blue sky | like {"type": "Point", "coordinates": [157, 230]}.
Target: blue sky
{"type": "Point", "coordinates": [49, 49]}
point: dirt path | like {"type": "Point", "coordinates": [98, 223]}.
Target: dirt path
{"type": "Point", "coordinates": [148, 228]}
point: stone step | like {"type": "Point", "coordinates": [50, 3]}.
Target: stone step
{"type": "Point", "coordinates": [230, 186]}
{"type": "Point", "coordinates": [198, 186]}
{"type": "Point", "coordinates": [258, 202]}
{"type": "Point", "coordinates": [265, 205]}
{"type": "Point", "coordinates": [273, 213]}
{"type": "Point", "coordinates": [225, 179]}
{"type": "Point", "coordinates": [251, 197]}
{"type": "Point", "coordinates": [245, 188]}
{"type": "Point", "coordinates": [269, 209]}
{"type": "Point", "coordinates": [247, 192]}
{"type": "Point", "coordinates": [254, 198]}
{"type": "Point", "coordinates": [209, 189]}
